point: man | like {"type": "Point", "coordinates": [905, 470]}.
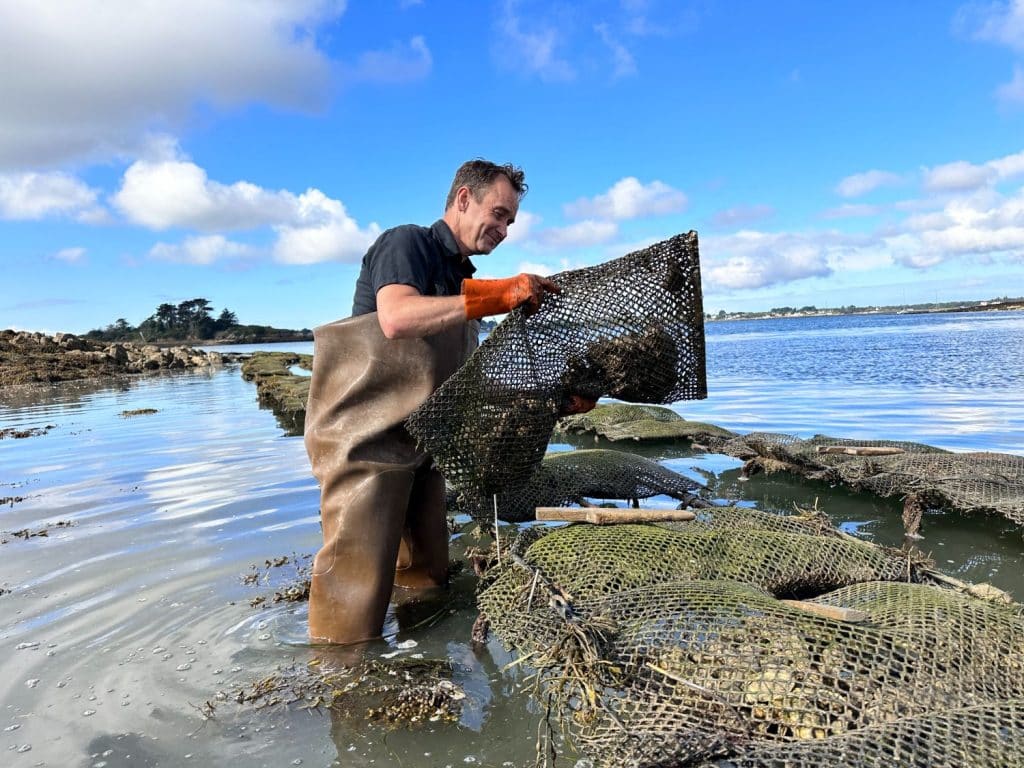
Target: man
{"type": "Point", "coordinates": [413, 324]}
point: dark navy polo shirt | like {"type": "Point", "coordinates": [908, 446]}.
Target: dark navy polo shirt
{"type": "Point", "coordinates": [427, 258]}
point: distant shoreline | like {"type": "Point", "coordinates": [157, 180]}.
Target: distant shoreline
{"type": "Point", "coordinates": [1014, 305]}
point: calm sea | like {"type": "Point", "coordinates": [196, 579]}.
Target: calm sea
{"type": "Point", "coordinates": [120, 626]}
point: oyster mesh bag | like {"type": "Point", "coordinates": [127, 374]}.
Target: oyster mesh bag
{"type": "Point", "coordinates": [761, 645]}
{"type": "Point", "coordinates": [574, 477]}
{"type": "Point", "coordinates": [630, 329]}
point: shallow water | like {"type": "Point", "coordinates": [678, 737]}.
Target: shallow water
{"type": "Point", "coordinates": [118, 628]}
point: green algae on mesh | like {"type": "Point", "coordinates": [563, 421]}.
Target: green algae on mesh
{"type": "Point", "coordinates": [694, 641]}
{"type": "Point", "coordinates": [278, 389]}
{"type": "Point", "coordinates": [624, 421]}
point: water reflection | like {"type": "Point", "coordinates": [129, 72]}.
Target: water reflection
{"type": "Point", "coordinates": [139, 613]}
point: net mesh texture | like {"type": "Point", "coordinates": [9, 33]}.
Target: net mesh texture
{"type": "Point", "coordinates": [681, 645]}
{"type": "Point", "coordinates": [972, 483]}
{"type": "Point", "coordinates": [578, 478]}
{"type": "Point", "coordinates": [630, 329]}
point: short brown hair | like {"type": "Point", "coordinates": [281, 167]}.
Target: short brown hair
{"type": "Point", "coordinates": [478, 175]}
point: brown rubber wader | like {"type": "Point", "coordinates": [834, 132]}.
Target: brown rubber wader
{"type": "Point", "coordinates": [381, 500]}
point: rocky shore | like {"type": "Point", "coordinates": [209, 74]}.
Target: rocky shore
{"type": "Point", "coordinates": [27, 357]}
{"type": "Point", "coordinates": [279, 388]}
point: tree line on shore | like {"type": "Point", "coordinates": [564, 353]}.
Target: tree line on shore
{"type": "Point", "coordinates": [192, 320]}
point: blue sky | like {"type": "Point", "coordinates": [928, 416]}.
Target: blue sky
{"type": "Point", "coordinates": [248, 152]}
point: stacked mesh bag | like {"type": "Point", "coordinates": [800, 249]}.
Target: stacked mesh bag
{"type": "Point", "coordinates": [660, 646]}
{"type": "Point", "coordinates": [630, 329]}
{"type": "Point", "coordinates": [981, 483]}
{"type": "Point", "coordinates": [576, 477]}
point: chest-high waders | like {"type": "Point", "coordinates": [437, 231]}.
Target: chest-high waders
{"type": "Point", "coordinates": [381, 500]}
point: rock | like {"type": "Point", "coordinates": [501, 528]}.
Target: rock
{"type": "Point", "coordinates": [117, 353]}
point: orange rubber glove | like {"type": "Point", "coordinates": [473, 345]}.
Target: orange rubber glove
{"type": "Point", "coordinates": [495, 297]}
{"type": "Point", "coordinates": [577, 404]}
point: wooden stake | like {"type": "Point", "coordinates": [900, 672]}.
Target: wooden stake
{"type": "Point", "coordinates": [861, 450]}
{"type": "Point", "coordinates": [837, 612]}
{"type": "Point", "coordinates": [605, 516]}
{"type": "Point", "coordinates": [497, 534]}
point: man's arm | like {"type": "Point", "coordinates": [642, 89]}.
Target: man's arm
{"type": "Point", "coordinates": [404, 313]}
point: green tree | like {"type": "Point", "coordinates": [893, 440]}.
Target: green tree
{"type": "Point", "coordinates": [226, 319]}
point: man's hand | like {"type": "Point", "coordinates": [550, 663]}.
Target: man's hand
{"type": "Point", "coordinates": [577, 404]}
{"type": "Point", "coordinates": [495, 297]}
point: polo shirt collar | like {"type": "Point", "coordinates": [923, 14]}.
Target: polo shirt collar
{"type": "Point", "coordinates": [447, 239]}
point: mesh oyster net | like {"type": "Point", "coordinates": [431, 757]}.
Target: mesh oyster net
{"type": "Point", "coordinates": [574, 477]}
{"type": "Point", "coordinates": [641, 423]}
{"type": "Point", "coordinates": [631, 329]}
{"type": "Point", "coordinates": [972, 483]}
{"type": "Point", "coordinates": [657, 646]}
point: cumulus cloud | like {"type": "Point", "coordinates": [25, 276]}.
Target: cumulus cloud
{"type": "Point", "coordinates": [70, 255]}
{"type": "Point", "coordinates": [524, 225]}
{"type": "Point", "coordinates": [1008, 167]}
{"type": "Point", "coordinates": [628, 198]}
{"type": "Point", "coordinates": [861, 183]}
{"type": "Point", "coordinates": [177, 193]}
{"type": "Point", "coordinates": [759, 259]}
{"type": "Point", "coordinates": [87, 78]}
{"type": "Point", "coordinates": [1012, 93]}
{"type": "Point", "coordinates": [323, 232]}
{"type": "Point", "coordinates": [1001, 23]}
{"type": "Point", "coordinates": [985, 223]}
{"type": "Point", "coordinates": [34, 196]}
{"type": "Point", "coordinates": [583, 233]}
{"type": "Point", "coordinates": [202, 250]}
{"type": "Point", "coordinates": [958, 176]}
{"type": "Point", "coordinates": [526, 43]}
{"type": "Point", "coordinates": [402, 63]}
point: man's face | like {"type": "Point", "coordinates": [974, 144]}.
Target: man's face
{"type": "Point", "coordinates": [483, 224]}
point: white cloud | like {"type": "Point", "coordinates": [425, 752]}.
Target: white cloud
{"type": "Point", "coordinates": [1008, 167]}
{"type": "Point", "coordinates": [628, 198]}
{"type": "Point", "coordinates": [310, 228]}
{"type": "Point", "coordinates": [584, 233]}
{"type": "Point", "coordinates": [522, 228]}
{"type": "Point", "coordinates": [624, 65]}
{"type": "Point", "coordinates": [402, 63]}
{"type": "Point", "coordinates": [861, 183]}
{"type": "Point", "coordinates": [1001, 23]}
{"type": "Point", "coordinates": [88, 78]}
{"type": "Point", "coordinates": [1012, 93]}
{"type": "Point", "coordinates": [203, 250]}
{"type": "Point", "coordinates": [958, 176]}
{"type": "Point", "coordinates": [324, 232]}
{"type": "Point", "coordinates": [998, 22]}
{"type": "Point", "coordinates": [758, 259]}
{"type": "Point", "coordinates": [532, 50]}
{"type": "Point", "coordinates": [70, 255]}
{"type": "Point", "coordinates": [34, 196]}
{"type": "Point", "coordinates": [177, 193]}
